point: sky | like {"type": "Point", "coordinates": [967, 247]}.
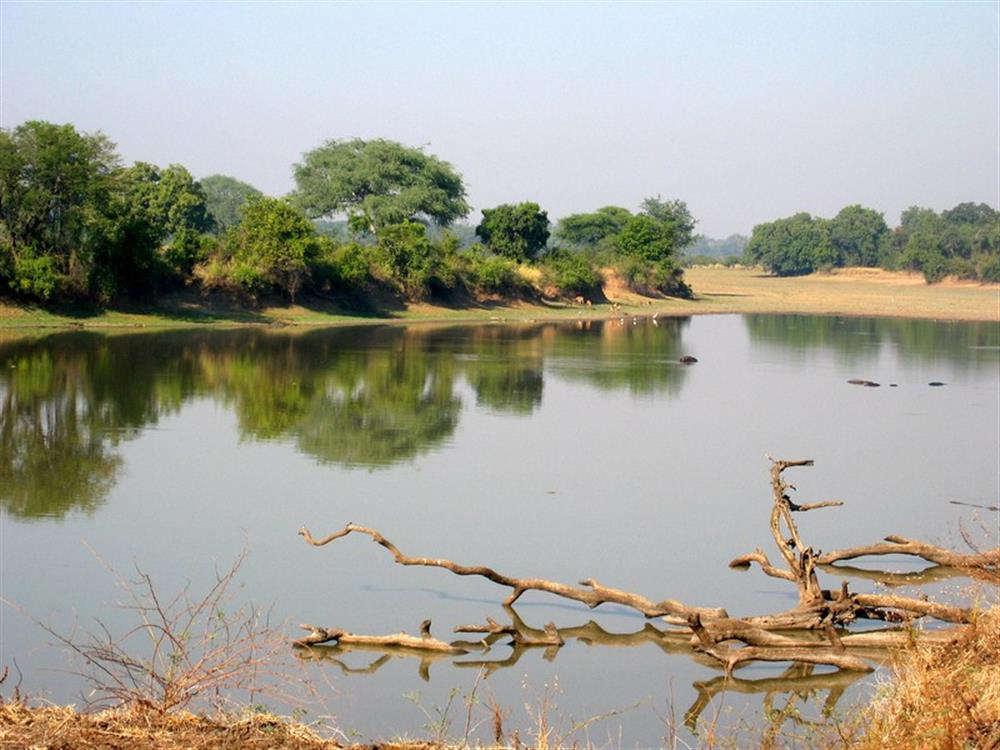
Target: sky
{"type": "Point", "coordinates": [746, 111]}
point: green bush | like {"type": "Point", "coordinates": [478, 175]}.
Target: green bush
{"type": "Point", "coordinates": [342, 267]}
{"type": "Point", "coordinates": [989, 268]}
{"type": "Point", "coordinates": [649, 278]}
{"type": "Point", "coordinates": [571, 274]}
{"type": "Point", "coordinates": [271, 248]}
{"type": "Point", "coordinates": [187, 249]}
{"type": "Point", "coordinates": [35, 275]}
{"type": "Point", "coordinates": [491, 274]}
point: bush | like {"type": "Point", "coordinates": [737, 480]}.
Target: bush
{"type": "Point", "coordinates": [35, 276]}
{"type": "Point", "coordinates": [989, 268]}
{"type": "Point", "coordinates": [343, 267]}
{"type": "Point", "coordinates": [571, 274]}
{"type": "Point", "coordinates": [650, 278]}
{"type": "Point", "coordinates": [271, 248]}
{"type": "Point", "coordinates": [491, 274]}
{"type": "Point", "coordinates": [187, 249]}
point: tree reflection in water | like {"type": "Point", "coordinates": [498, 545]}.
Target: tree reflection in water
{"type": "Point", "coordinates": [369, 397]}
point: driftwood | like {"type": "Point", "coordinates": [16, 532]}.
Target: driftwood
{"type": "Point", "coordinates": [593, 595]}
{"type": "Point", "coordinates": [812, 633]}
{"type": "Point", "coordinates": [423, 642]}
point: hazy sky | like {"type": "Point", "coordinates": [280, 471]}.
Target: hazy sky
{"type": "Point", "coordinates": [748, 112]}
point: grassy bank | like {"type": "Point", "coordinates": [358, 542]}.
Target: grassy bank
{"type": "Point", "coordinates": [939, 698]}
{"type": "Point", "coordinates": [851, 292]}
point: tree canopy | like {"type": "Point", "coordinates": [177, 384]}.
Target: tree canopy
{"type": "Point", "coordinates": [793, 246]}
{"type": "Point", "coordinates": [378, 183]}
{"type": "Point", "coordinates": [226, 197]}
{"type": "Point", "coordinates": [52, 179]}
{"type": "Point", "coordinates": [518, 231]}
{"type": "Point", "coordinates": [675, 216]}
{"type": "Point", "coordinates": [588, 229]}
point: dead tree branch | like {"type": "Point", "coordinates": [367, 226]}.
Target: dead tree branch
{"type": "Point", "coordinates": [594, 595]}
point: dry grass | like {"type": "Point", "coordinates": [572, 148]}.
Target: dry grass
{"type": "Point", "coordinates": [941, 698]}
{"type": "Point", "coordinates": [849, 291]}
{"type": "Point", "coordinates": [64, 728]}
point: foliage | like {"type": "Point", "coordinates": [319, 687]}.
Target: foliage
{"type": "Point", "coordinates": [271, 248]}
{"type": "Point", "coordinates": [345, 267]}
{"type": "Point", "coordinates": [962, 241]}
{"type": "Point", "coordinates": [653, 277]}
{"type": "Point", "coordinates": [488, 274]}
{"type": "Point", "coordinates": [674, 216]}
{"type": "Point", "coordinates": [519, 231]}
{"type": "Point", "coordinates": [588, 230]}
{"type": "Point", "coordinates": [146, 208]}
{"type": "Point", "coordinates": [857, 233]}
{"type": "Point", "coordinates": [52, 179]}
{"type": "Point", "coordinates": [226, 197]}
{"type": "Point", "coordinates": [378, 183]}
{"type": "Point", "coordinates": [571, 274]}
{"type": "Point", "coordinates": [793, 246]}
{"type": "Point", "coordinates": [646, 238]}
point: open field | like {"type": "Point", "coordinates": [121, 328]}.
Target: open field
{"type": "Point", "coordinates": [851, 292]}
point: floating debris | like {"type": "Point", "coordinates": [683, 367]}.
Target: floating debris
{"type": "Point", "coordinates": [687, 359]}
{"type": "Point", "coordinates": [867, 383]}
{"type": "Point", "coordinates": [935, 383]}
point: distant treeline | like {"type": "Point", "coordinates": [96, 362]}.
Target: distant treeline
{"type": "Point", "coordinates": [963, 241]}
{"type": "Point", "coordinates": [367, 220]}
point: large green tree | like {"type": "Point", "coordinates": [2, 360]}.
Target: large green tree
{"type": "Point", "coordinates": [378, 183]}
{"type": "Point", "coordinates": [793, 246]}
{"type": "Point", "coordinates": [587, 230]}
{"type": "Point", "coordinates": [150, 228]}
{"type": "Point", "coordinates": [675, 216]}
{"type": "Point", "coordinates": [857, 234]}
{"type": "Point", "coordinates": [226, 197]}
{"type": "Point", "coordinates": [52, 182]}
{"type": "Point", "coordinates": [517, 231]}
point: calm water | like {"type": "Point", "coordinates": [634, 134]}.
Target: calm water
{"type": "Point", "coordinates": [560, 451]}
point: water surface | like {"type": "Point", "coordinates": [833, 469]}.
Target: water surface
{"type": "Point", "coordinates": [562, 451]}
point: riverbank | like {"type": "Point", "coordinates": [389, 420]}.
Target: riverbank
{"type": "Point", "coordinates": [848, 292]}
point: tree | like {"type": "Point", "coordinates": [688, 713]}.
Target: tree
{"type": "Point", "coordinates": [51, 180]}
{"type": "Point", "coordinates": [272, 247]}
{"type": "Point", "coordinates": [857, 234]}
{"type": "Point", "coordinates": [675, 216]}
{"type": "Point", "coordinates": [515, 231]}
{"type": "Point", "coordinates": [226, 198]}
{"type": "Point", "coordinates": [793, 246]}
{"type": "Point", "coordinates": [588, 230]}
{"type": "Point", "coordinates": [646, 238]}
{"type": "Point", "coordinates": [378, 183]}
{"type": "Point", "coordinates": [146, 208]}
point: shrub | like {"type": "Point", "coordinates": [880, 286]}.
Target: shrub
{"type": "Point", "coordinates": [343, 267]}
{"type": "Point", "coordinates": [649, 278]}
{"type": "Point", "coordinates": [271, 248]}
{"type": "Point", "coordinates": [491, 274]}
{"type": "Point", "coordinates": [989, 268]}
{"type": "Point", "coordinates": [571, 274]}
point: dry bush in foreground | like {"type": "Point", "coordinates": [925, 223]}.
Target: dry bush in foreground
{"type": "Point", "coordinates": [942, 697]}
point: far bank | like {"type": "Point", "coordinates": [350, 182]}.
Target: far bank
{"type": "Point", "coordinates": [847, 292]}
